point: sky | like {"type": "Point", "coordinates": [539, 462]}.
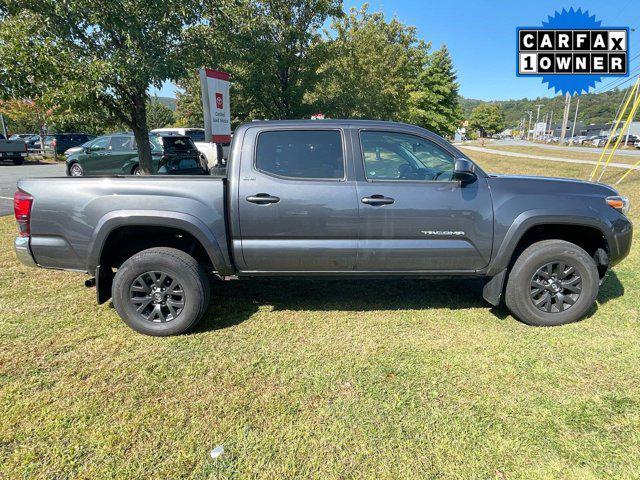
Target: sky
{"type": "Point", "coordinates": [480, 35]}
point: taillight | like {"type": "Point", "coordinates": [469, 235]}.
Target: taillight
{"type": "Point", "coordinates": [22, 210]}
{"type": "Point", "coordinates": [26, 149]}
{"type": "Point", "coordinates": [54, 143]}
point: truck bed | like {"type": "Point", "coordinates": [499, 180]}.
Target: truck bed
{"type": "Point", "coordinates": [72, 217]}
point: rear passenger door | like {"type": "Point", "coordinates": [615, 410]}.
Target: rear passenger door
{"type": "Point", "coordinates": [297, 203]}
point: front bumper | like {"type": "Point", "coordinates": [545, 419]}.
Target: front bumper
{"type": "Point", "coordinates": [23, 251]}
{"type": "Point", "coordinates": [622, 238]}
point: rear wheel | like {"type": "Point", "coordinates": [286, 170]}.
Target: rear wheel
{"type": "Point", "coordinates": [18, 161]}
{"type": "Point", "coordinates": [75, 170]}
{"type": "Point", "coordinates": [136, 170]}
{"type": "Point", "coordinates": [161, 292]}
{"type": "Point", "coordinates": [553, 282]}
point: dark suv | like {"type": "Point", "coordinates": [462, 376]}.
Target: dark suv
{"type": "Point", "coordinates": [58, 143]}
{"type": "Point", "coordinates": [118, 154]}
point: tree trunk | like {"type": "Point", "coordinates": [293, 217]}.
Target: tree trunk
{"type": "Point", "coordinates": [141, 133]}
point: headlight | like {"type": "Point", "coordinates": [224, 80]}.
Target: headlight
{"type": "Point", "coordinates": [619, 202]}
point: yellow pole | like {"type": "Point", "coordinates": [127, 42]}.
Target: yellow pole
{"type": "Point", "coordinates": [632, 113]}
{"type": "Point", "coordinates": [631, 169]}
{"type": "Point", "coordinates": [613, 130]}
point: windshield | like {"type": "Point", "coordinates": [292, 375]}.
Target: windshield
{"type": "Point", "coordinates": [195, 135]}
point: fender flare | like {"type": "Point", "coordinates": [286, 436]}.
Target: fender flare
{"type": "Point", "coordinates": [158, 218]}
{"type": "Point", "coordinates": [531, 218]}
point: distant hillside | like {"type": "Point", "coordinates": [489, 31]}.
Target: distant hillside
{"type": "Point", "coordinates": [594, 108]}
{"type": "Point", "coordinates": [168, 101]}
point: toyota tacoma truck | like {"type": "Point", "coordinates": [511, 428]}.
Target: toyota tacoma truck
{"type": "Point", "coordinates": [326, 198]}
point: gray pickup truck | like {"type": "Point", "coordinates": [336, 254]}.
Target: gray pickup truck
{"type": "Point", "coordinates": [13, 149]}
{"type": "Point", "coordinates": [326, 198]}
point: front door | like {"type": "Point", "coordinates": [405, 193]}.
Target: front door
{"type": "Point", "coordinates": [297, 207]}
{"type": "Point", "coordinates": [97, 154]}
{"type": "Point", "coordinates": [413, 216]}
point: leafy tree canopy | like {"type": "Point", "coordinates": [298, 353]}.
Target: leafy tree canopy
{"type": "Point", "coordinates": [488, 119]}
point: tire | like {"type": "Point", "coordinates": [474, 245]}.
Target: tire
{"type": "Point", "coordinates": [18, 161]}
{"type": "Point", "coordinates": [562, 299]}
{"type": "Point", "coordinates": [76, 170]}
{"type": "Point", "coordinates": [136, 170]}
{"type": "Point", "coordinates": [140, 277]}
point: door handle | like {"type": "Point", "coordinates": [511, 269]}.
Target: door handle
{"type": "Point", "coordinates": [376, 200]}
{"type": "Point", "coordinates": [262, 199]}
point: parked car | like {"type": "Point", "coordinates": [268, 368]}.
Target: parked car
{"type": "Point", "coordinates": [600, 141]}
{"type": "Point", "coordinates": [13, 149]}
{"type": "Point", "coordinates": [623, 139]}
{"type": "Point", "coordinates": [216, 154]}
{"type": "Point", "coordinates": [118, 154]}
{"type": "Point", "coordinates": [33, 142]}
{"type": "Point", "coordinates": [58, 143]}
{"type": "Point", "coordinates": [342, 198]}
{"type": "Point", "coordinates": [21, 136]}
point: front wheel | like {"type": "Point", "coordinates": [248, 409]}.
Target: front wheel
{"type": "Point", "coordinates": [75, 170]}
{"type": "Point", "coordinates": [136, 170]}
{"type": "Point", "coordinates": [161, 292]}
{"type": "Point", "coordinates": [552, 282]}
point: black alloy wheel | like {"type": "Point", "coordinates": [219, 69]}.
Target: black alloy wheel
{"type": "Point", "coordinates": [555, 287]}
{"type": "Point", "coordinates": [157, 297]}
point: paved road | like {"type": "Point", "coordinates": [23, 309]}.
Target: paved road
{"type": "Point", "coordinates": [544, 157]}
{"type": "Point", "coordinates": [9, 175]}
{"type": "Point", "coordinates": [594, 150]}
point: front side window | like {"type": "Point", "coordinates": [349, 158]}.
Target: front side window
{"type": "Point", "coordinates": [399, 156]}
{"type": "Point", "coordinates": [100, 143]}
{"type": "Point", "coordinates": [313, 154]}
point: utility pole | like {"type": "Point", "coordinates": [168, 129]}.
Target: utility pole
{"type": "Point", "coordinates": [626, 140]}
{"type": "Point", "coordinates": [4, 126]}
{"type": "Point", "coordinates": [537, 118]}
{"type": "Point", "coordinates": [551, 123]}
{"type": "Point", "coordinates": [530, 113]}
{"type": "Point", "coordinates": [565, 116]}
{"type": "Point", "coordinates": [575, 119]}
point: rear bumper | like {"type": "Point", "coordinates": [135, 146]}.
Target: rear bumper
{"type": "Point", "coordinates": [23, 251]}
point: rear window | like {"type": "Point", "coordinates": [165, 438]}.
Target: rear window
{"type": "Point", "coordinates": [195, 135]}
{"type": "Point", "coordinates": [315, 154]}
{"type": "Point", "coordinates": [178, 144]}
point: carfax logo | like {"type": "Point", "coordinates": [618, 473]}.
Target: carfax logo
{"type": "Point", "coordinates": [572, 51]}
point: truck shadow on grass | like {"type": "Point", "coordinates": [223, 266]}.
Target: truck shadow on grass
{"type": "Point", "coordinates": [234, 302]}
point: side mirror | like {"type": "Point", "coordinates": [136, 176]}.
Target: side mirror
{"type": "Point", "coordinates": [464, 171]}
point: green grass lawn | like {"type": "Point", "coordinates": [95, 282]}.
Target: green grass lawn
{"type": "Point", "coordinates": [587, 154]}
{"type": "Point", "coordinates": [320, 379]}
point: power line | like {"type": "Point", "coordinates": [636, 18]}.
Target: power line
{"type": "Point", "coordinates": [602, 88]}
{"type": "Point", "coordinates": [620, 83]}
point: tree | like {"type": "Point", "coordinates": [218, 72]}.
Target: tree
{"type": "Point", "coordinates": [274, 51]}
{"type": "Point", "coordinates": [370, 68]}
{"type": "Point", "coordinates": [434, 103]}
{"type": "Point", "coordinates": [158, 115]}
{"type": "Point", "coordinates": [188, 111]}
{"type": "Point", "coordinates": [488, 118]}
{"type": "Point", "coordinates": [99, 56]}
